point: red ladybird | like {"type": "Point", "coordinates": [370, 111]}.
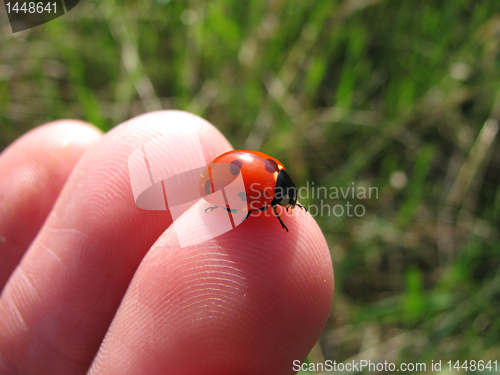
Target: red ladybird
{"type": "Point", "coordinates": [266, 182]}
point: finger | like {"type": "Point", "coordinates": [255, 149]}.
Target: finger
{"type": "Point", "coordinates": [33, 171]}
{"type": "Point", "coordinates": [250, 301]}
{"type": "Point", "coordinates": [58, 304]}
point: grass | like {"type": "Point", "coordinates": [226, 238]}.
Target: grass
{"type": "Point", "coordinates": [398, 95]}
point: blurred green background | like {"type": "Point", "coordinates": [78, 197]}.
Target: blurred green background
{"type": "Point", "coordinates": [402, 96]}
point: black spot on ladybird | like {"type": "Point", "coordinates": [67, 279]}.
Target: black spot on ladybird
{"type": "Point", "coordinates": [208, 189]}
{"type": "Point", "coordinates": [271, 166]}
{"type": "Point", "coordinates": [235, 167]}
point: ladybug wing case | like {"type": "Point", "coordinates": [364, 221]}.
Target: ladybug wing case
{"type": "Point", "coordinates": [259, 172]}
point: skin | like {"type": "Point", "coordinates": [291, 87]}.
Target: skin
{"type": "Point", "coordinates": [103, 286]}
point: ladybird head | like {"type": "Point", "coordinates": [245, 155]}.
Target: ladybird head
{"type": "Point", "coordinates": [286, 193]}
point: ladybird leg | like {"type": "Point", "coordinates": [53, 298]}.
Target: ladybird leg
{"type": "Point", "coordinates": [258, 209]}
{"type": "Point", "coordinates": [246, 217]}
{"type": "Point", "coordinates": [279, 218]}
{"type": "Point", "coordinates": [211, 208]}
{"type": "Point", "coordinates": [304, 208]}
{"type": "Point", "coordinates": [232, 211]}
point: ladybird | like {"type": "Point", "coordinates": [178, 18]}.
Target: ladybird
{"type": "Point", "coordinates": [266, 183]}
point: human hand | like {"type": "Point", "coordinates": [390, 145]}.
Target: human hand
{"type": "Point", "coordinates": [102, 286]}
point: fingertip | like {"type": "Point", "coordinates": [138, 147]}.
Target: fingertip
{"type": "Point", "coordinates": [34, 168]}
{"type": "Point", "coordinates": [250, 300]}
